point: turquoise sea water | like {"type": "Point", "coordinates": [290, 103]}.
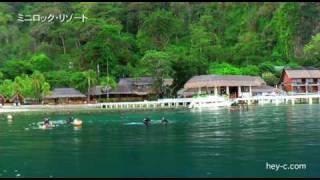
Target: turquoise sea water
{"type": "Point", "coordinates": [215, 143]}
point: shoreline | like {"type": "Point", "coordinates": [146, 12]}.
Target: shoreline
{"type": "Point", "coordinates": [47, 108]}
{"type": "Point", "coordinates": [85, 107]}
{"type": "Point", "coordinates": [66, 108]}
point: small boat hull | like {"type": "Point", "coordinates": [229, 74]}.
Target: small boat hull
{"type": "Point", "coordinates": [210, 102]}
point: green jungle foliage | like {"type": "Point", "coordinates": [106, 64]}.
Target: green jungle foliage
{"type": "Point", "coordinates": [160, 39]}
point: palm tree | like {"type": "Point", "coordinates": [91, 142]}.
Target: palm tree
{"type": "Point", "coordinates": [37, 82]}
{"type": "Point", "coordinates": [45, 89]}
{"type": "Point", "coordinates": [91, 79]}
{"type": "Point", "coordinates": [17, 86]}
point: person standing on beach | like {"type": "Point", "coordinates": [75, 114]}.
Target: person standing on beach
{"type": "Point", "coordinates": [17, 101]}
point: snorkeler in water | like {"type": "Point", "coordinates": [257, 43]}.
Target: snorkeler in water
{"type": "Point", "coordinates": [70, 120]}
{"type": "Point", "coordinates": [164, 121]}
{"type": "Point", "coordinates": [46, 122]}
{"type": "Point", "coordinates": [147, 121]}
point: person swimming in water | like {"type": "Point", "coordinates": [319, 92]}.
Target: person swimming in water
{"type": "Point", "coordinates": [46, 122]}
{"type": "Point", "coordinates": [70, 120]}
{"type": "Point", "coordinates": [164, 121]}
{"type": "Point", "coordinates": [147, 121]}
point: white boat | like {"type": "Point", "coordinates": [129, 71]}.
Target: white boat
{"type": "Point", "coordinates": [210, 102]}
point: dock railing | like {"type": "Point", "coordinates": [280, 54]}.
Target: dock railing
{"type": "Point", "coordinates": [184, 102]}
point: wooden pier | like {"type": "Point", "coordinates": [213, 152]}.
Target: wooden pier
{"type": "Point", "coordinates": [292, 99]}
{"type": "Point", "coordinates": [185, 102]}
{"type": "Point", "coordinates": [161, 103]}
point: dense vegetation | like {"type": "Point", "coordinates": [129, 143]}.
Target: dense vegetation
{"type": "Point", "coordinates": [131, 39]}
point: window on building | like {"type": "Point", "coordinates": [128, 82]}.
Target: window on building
{"type": "Point", "coordinates": [245, 89]}
{"type": "Point", "coordinates": [296, 89]}
{"type": "Point", "coordinates": [297, 81]}
{"type": "Point", "coordinates": [309, 81]}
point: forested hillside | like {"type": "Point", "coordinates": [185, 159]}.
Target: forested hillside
{"type": "Point", "coordinates": [131, 39]}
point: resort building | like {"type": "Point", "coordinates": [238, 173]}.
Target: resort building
{"type": "Point", "coordinates": [266, 91]}
{"type": "Point", "coordinates": [134, 88]}
{"type": "Point", "coordinates": [98, 92]}
{"type": "Point", "coordinates": [65, 96]}
{"type": "Point", "coordinates": [300, 81]}
{"type": "Point", "coordinates": [233, 86]}
{"type": "Point", "coordinates": [128, 89]}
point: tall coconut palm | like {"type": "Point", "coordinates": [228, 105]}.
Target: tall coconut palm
{"type": "Point", "coordinates": [91, 80]}
{"type": "Point", "coordinates": [18, 85]}
{"type": "Point", "coordinates": [37, 82]}
{"type": "Point", "coordinates": [45, 89]}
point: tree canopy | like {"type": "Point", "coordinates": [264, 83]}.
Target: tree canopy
{"type": "Point", "coordinates": [162, 40]}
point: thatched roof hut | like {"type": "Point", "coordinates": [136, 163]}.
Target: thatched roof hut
{"type": "Point", "coordinates": [137, 86]}
{"type": "Point", "coordinates": [2, 99]}
{"type": "Point", "coordinates": [98, 90]}
{"type": "Point", "coordinates": [223, 80]}
{"type": "Point", "coordinates": [2, 96]}
{"type": "Point", "coordinates": [18, 97]}
{"type": "Point", "coordinates": [65, 93]}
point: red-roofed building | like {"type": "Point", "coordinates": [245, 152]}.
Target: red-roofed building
{"type": "Point", "coordinates": [298, 81]}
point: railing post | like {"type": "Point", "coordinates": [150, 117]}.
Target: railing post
{"type": "Point", "coordinates": [310, 100]}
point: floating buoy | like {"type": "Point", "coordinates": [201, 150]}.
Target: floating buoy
{"type": "Point", "coordinates": [77, 122]}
